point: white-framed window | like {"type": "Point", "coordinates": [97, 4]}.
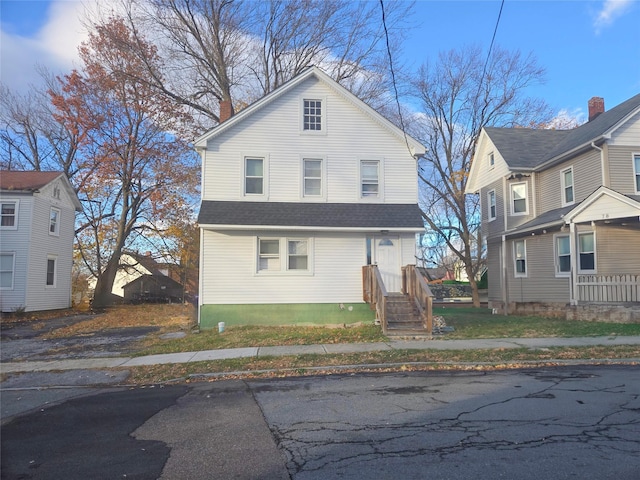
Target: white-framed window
{"type": "Point", "coordinates": [54, 221]}
{"type": "Point", "coordinates": [586, 252]}
{"type": "Point", "coordinates": [312, 115]}
{"type": "Point", "coordinates": [520, 258]}
{"type": "Point", "coordinates": [566, 177]}
{"type": "Point", "coordinates": [7, 267]}
{"type": "Point", "coordinates": [269, 254]}
{"type": "Point", "coordinates": [254, 183]}
{"type": "Point", "coordinates": [298, 254]}
{"type": "Point", "coordinates": [284, 255]}
{"type": "Point", "coordinates": [370, 178]}
{"type": "Point", "coordinates": [491, 204]}
{"type": "Point", "coordinates": [9, 214]}
{"type": "Point", "coordinates": [492, 160]}
{"type": "Point", "coordinates": [636, 171]}
{"type": "Point", "coordinates": [563, 255]}
{"type": "Point", "coordinates": [52, 266]}
{"type": "Point", "coordinates": [519, 204]}
{"type": "Point", "coordinates": [312, 174]}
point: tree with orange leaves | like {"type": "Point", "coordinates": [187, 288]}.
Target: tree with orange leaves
{"type": "Point", "coordinates": [140, 173]}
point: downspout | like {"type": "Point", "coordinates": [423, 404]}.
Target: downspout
{"type": "Point", "coordinates": [503, 283]}
{"type": "Point", "coordinates": [605, 179]}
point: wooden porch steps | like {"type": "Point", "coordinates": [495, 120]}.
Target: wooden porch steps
{"type": "Point", "coordinates": [403, 317]}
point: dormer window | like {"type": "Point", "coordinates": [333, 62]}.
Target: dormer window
{"type": "Point", "coordinates": [312, 115]}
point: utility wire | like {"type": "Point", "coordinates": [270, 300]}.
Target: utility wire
{"type": "Point", "coordinates": [493, 38]}
{"type": "Point", "coordinates": [393, 78]}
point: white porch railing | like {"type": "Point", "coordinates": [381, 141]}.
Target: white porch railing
{"type": "Point", "coordinates": [608, 288]}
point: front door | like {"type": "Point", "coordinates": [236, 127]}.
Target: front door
{"type": "Point", "coordinates": [387, 257]}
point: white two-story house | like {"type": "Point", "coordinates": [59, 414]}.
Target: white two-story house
{"type": "Point", "coordinates": [36, 240]}
{"type": "Point", "coordinates": [299, 191]}
{"type": "Point", "coordinates": [560, 214]}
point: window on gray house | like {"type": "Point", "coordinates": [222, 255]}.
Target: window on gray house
{"type": "Point", "coordinates": [563, 254]}
{"type": "Point", "coordinates": [587, 251]}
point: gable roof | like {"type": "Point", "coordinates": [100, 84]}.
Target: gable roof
{"type": "Point", "coordinates": [32, 181]}
{"type": "Point", "coordinates": [530, 149]}
{"type": "Point", "coordinates": [310, 216]}
{"type": "Point", "coordinates": [201, 142]}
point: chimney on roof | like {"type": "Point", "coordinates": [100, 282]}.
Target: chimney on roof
{"type": "Point", "coordinates": [596, 107]}
{"type": "Point", "coordinates": [226, 110]}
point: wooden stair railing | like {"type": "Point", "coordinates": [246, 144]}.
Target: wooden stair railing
{"type": "Point", "coordinates": [374, 293]}
{"type": "Point", "coordinates": [415, 286]}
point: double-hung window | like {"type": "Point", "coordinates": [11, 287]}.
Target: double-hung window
{"type": "Point", "coordinates": [567, 186]}
{"type": "Point", "coordinates": [587, 252]}
{"type": "Point", "coordinates": [279, 255]}
{"type": "Point", "coordinates": [51, 271]}
{"type": "Point", "coordinates": [312, 177]}
{"type": "Point", "coordinates": [369, 178]}
{"type": "Point", "coordinates": [54, 221]}
{"type": "Point", "coordinates": [520, 258]}
{"type": "Point", "coordinates": [6, 270]}
{"type": "Point", "coordinates": [9, 215]}
{"type": "Point", "coordinates": [563, 255]}
{"type": "Point", "coordinates": [492, 160]}
{"type": "Point", "coordinates": [636, 171]}
{"type": "Point", "coordinates": [519, 199]}
{"type": "Point", "coordinates": [491, 202]}
{"type": "Point", "coordinates": [254, 176]}
{"type": "Point", "coordinates": [312, 115]}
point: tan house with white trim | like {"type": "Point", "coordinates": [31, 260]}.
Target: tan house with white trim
{"type": "Point", "coordinates": [561, 214]}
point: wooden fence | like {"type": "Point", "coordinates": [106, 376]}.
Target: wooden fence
{"type": "Point", "coordinates": [608, 288]}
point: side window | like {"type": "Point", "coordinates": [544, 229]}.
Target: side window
{"type": "Point", "coordinates": [563, 255]}
{"type": "Point", "coordinates": [285, 255]}
{"type": "Point", "coordinates": [520, 258]}
{"type": "Point", "coordinates": [51, 271]}
{"type": "Point", "coordinates": [567, 186]}
{"type": "Point", "coordinates": [268, 254]}
{"type": "Point", "coordinates": [587, 252]}
{"type": "Point", "coordinates": [491, 203]}
{"type": "Point", "coordinates": [9, 215]}
{"type": "Point", "coordinates": [298, 253]}
{"type": "Point", "coordinates": [636, 171]}
{"type": "Point", "coordinates": [7, 265]}
{"type": "Point", "coordinates": [54, 221]}
{"type": "Point", "coordinates": [519, 199]}
{"type": "Point", "coordinates": [312, 115]}
{"type": "Point", "coordinates": [312, 177]}
{"type": "Point", "coordinates": [369, 178]}
{"type": "Point", "coordinates": [254, 176]}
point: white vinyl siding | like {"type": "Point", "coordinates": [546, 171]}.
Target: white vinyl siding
{"type": "Point", "coordinates": [350, 137]}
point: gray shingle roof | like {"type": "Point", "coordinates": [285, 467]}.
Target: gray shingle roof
{"type": "Point", "coordinates": [294, 214]}
{"type": "Point", "coordinates": [525, 148]}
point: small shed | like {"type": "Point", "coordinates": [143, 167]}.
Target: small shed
{"type": "Point", "coordinates": [153, 289]}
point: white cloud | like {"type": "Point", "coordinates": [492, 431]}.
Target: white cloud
{"type": "Point", "coordinates": [610, 11]}
{"type": "Point", "coordinates": [54, 46]}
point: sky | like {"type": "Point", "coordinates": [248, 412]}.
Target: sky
{"type": "Point", "coordinates": [588, 47]}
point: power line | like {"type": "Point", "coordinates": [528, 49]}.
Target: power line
{"type": "Point", "coordinates": [493, 38]}
{"type": "Point", "coordinates": [393, 78]}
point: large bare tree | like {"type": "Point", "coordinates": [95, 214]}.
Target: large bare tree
{"type": "Point", "coordinates": [459, 94]}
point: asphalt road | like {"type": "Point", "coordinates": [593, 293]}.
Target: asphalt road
{"type": "Point", "coordinates": [556, 423]}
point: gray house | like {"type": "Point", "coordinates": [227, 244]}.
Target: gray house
{"type": "Point", "coordinates": [560, 214]}
{"type": "Point", "coordinates": [36, 240]}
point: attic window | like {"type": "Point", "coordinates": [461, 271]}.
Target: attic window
{"type": "Point", "coordinates": [312, 115]}
{"type": "Point", "coordinates": [492, 160]}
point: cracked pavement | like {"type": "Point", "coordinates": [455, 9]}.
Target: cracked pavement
{"type": "Point", "coordinates": [558, 423]}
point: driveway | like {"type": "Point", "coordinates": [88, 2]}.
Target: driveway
{"type": "Point", "coordinates": [25, 340]}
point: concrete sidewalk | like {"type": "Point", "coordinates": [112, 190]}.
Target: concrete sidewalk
{"type": "Point", "coordinates": [438, 344]}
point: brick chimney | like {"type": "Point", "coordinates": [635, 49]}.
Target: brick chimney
{"type": "Point", "coordinates": [226, 110]}
{"type": "Point", "coordinates": [596, 107]}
